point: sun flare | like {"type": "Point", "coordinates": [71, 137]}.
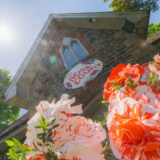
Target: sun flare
{"type": "Point", "coordinates": [5, 34]}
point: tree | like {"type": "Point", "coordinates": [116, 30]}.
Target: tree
{"type": "Point", "coordinates": [153, 28]}
{"type": "Point", "coordinates": [134, 5]}
{"type": "Point", "coordinates": [8, 114]}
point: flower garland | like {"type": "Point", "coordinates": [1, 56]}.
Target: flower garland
{"type": "Point", "coordinates": [133, 93]}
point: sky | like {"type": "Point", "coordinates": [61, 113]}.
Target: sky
{"type": "Point", "coordinates": [25, 18]}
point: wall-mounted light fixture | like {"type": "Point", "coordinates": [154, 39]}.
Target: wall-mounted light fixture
{"type": "Point", "coordinates": [92, 20]}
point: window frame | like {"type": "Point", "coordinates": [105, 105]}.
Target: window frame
{"type": "Point", "coordinates": [67, 42]}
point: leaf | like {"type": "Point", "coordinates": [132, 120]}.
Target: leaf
{"type": "Point", "coordinates": [17, 151]}
{"type": "Point", "coordinates": [16, 148]}
{"type": "Point", "coordinates": [53, 120]}
{"type": "Point", "coordinates": [52, 128]}
{"type": "Point", "coordinates": [37, 127]}
{"type": "Point", "coordinates": [103, 101]}
{"type": "Point", "coordinates": [41, 123]}
{"type": "Point", "coordinates": [114, 82]}
{"type": "Point", "coordinates": [47, 124]}
{"type": "Point", "coordinates": [35, 146]}
{"type": "Point", "coordinates": [43, 120]}
{"type": "Point", "coordinates": [13, 155]}
{"type": "Point", "coordinates": [16, 141]}
{"type": "Point", "coordinates": [10, 143]}
{"type": "Point", "coordinates": [49, 139]}
{"type": "Point", "coordinates": [130, 79]}
{"type": "Point", "coordinates": [41, 135]}
{"type": "Point", "coordinates": [117, 86]}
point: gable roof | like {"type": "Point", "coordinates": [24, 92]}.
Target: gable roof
{"type": "Point", "coordinates": [18, 91]}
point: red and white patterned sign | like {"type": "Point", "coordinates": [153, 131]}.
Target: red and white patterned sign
{"type": "Point", "coordinates": [83, 73]}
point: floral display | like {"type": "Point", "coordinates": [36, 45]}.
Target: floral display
{"type": "Point", "coordinates": [58, 132]}
{"type": "Point", "coordinates": [122, 76]}
{"type": "Point", "coordinates": [133, 122]}
{"type": "Point", "coordinates": [55, 132]}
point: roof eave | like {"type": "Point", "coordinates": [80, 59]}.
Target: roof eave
{"type": "Point", "coordinates": [97, 14]}
{"type": "Point", "coordinates": [11, 92]}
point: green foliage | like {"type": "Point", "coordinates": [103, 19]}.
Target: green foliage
{"type": "Point", "coordinates": [5, 79]}
{"type": "Point", "coordinates": [8, 114]}
{"type": "Point", "coordinates": [133, 5]}
{"type": "Point", "coordinates": [47, 129]}
{"type": "Point", "coordinates": [116, 86]}
{"type": "Point", "coordinates": [17, 150]}
{"type": "Point", "coordinates": [103, 121]}
{"type": "Point", "coordinates": [153, 28]}
{"type": "Point", "coordinates": [104, 102]}
{"type": "Point", "coordinates": [130, 83]}
{"type": "Point", "coordinates": [152, 78]}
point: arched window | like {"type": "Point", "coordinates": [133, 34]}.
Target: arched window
{"type": "Point", "coordinates": [72, 52]}
{"type": "Point", "coordinates": [70, 60]}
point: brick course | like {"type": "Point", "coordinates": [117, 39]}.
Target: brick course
{"type": "Point", "coordinates": [110, 46]}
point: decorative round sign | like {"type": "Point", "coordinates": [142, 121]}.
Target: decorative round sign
{"type": "Point", "coordinates": [83, 73]}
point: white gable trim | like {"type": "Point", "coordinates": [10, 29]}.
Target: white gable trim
{"type": "Point", "coordinates": [11, 91]}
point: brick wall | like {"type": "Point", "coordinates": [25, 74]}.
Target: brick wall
{"type": "Point", "coordinates": [109, 46]}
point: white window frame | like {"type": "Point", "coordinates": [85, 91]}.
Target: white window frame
{"type": "Point", "coordinates": [67, 41]}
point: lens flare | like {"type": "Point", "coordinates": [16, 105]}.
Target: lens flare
{"type": "Point", "coordinates": [5, 34]}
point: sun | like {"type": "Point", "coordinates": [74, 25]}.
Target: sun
{"type": "Point", "coordinates": [5, 34]}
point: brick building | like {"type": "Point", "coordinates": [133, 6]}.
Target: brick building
{"type": "Point", "coordinates": [110, 37]}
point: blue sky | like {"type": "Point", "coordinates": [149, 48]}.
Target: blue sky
{"type": "Point", "coordinates": [26, 18]}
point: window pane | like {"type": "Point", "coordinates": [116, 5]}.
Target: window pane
{"type": "Point", "coordinates": [78, 51]}
{"type": "Point", "coordinates": [69, 57]}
